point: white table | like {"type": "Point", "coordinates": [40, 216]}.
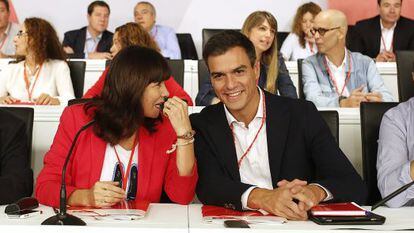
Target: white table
{"type": "Point", "coordinates": [171, 218]}
{"type": "Point", "coordinates": [396, 219]}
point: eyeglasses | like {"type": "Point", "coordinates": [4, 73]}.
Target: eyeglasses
{"type": "Point", "coordinates": [322, 31]}
{"type": "Point", "coordinates": [21, 33]}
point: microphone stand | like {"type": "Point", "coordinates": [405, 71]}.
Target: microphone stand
{"type": "Point", "coordinates": [63, 218]}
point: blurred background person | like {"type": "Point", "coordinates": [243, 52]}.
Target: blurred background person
{"type": "Point", "coordinates": [135, 149]}
{"type": "Point", "coordinates": [300, 43]}
{"type": "Point", "coordinates": [41, 74]}
{"type": "Point", "coordinates": [134, 34]}
{"type": "Point", "coordinates": [8, 31]}
{"type": "Point", "coordinates": [94, 40]}
{"type": "Point", "coordinates": [145, 15]}
{"type": "Point", "coordinates": [261, 28]}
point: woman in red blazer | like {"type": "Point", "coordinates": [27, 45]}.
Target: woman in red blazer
{"type": "Point", "coordinates": [132, 150]}
{"type": "Point", "coordinates": [133, 34]}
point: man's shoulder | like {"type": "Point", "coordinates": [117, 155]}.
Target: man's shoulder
{"type": "Point", "coordinates": [165, 29]}
{"type": "Point", "coordinates": [406, 22]}
{"type": "Point", "coordinates": [75, 32]}
{"type": "Point", "coordinates": [403, 111]}
{"type": "Point", "coordinates": [207, 114]}
{"type": "Point", "coordinates": [367, 22]}
{"type": "Point", "coordinates": [107, 33]}
{"type": "Point", "coordinates": [360, 58]}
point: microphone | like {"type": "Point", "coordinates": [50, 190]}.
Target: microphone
{"type": "Point", "coordinates": [392, 195]}
{"type": "Point", "coordinates": [63, 218]}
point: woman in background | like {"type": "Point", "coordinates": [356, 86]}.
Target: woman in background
{"type": "Point", "coordinates": [261, 28]}
{"type": "Point", "coordinates": [41, 75]}
{"type": "Point", "coordinates": [134, 34]}
{"type": "Point", "coordinates": [300, 44]}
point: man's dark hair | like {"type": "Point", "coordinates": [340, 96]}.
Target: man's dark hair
{"type": "Point", "coordinates": [6, 3]}
{"type": "Point", "coordinates": [220, 43]}
{"type": "Point", "coordinates": [94, 4]}
{"type": "Point", "coordinates": [379, 2]}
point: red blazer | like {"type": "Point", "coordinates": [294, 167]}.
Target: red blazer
{"type": "Point", "coordinates": [172, 86]}
{"type": "Point", "coordinates": [156, 169]}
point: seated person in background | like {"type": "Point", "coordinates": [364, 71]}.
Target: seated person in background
{"type": "Point", "coordinates": [93, 41]}
{"type": "Point", "coordinates": [300, 43]}
{"type": "Point", "coordinates": [335, 76]}
{"type": "Point", "coordinates": [261, 28]}
{"type": "Point", "coordinates": [8, 31]}
{"type": "Point", "coordinates": [133, 34]}
{"type": "Point", "coordinates": [256, 150]}
{"type": "Point", "coordinates": [379, 37]}
{"type": "Point", "coordinates": [131, 131]}
{"type": "Point", "coordinates": [41, 74]}
{"type": "Point", "coordinates": [395, 160]}
{"type": "Point", "coordinates": [145, 14]}
{"type": "Point", "coordinates": [16, 177]}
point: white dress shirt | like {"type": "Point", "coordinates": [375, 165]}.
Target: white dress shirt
{"type": "Point", "coordinates": [339, 74]}
{"type": "Point", "coordinates": [292, 50]}
{"type": "Point", "coordinates": [387, 37]}
{"type": "Point", "coordinates": [91, 44]}
{"type": "Point", "coordinates": [53, 79]}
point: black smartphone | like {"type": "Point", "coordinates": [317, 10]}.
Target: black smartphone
{"type": "Point", "coordinates": [236, 224]}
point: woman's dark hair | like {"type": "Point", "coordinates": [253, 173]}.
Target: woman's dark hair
{"type": "Point", "coordinates": [43, 40]}
{"type": "Point", "coordinates": [118, 112]}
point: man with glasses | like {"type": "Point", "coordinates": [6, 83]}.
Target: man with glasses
{"type": "Point", "coordinates": [145, 14]}
{"type": "Point", "coordinates": [379, 37]}
{"type": "Point", "coordinates": [335, 76]}
{"type": "Point", "coordinates": [93, 41]}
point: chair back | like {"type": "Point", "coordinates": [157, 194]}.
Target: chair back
{"type": "Point", "coordinates": [187, 47]}
{"type": "Point", "coordinates": [405, 73]}
{"type": "Point", "coordinates": [27, 116]}
{"type": "Point", "coordinates": [177, 70]}
{"type": "Point", "coordinates": [371, 116]}
{"type": "Point", "coordinates": [77, 74]}
{"type": "Point", "coordinates": [207, 33]}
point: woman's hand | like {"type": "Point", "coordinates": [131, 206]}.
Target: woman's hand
{"type": "Point", "coordinates": [8, 100]}
{"type": "Point", "coordinates": [102, 194]}
{"type": "Point", "coordinates": [176, 110]}
{"type": "Point", "coordinates": [45, 99]}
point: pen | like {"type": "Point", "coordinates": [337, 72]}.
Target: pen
{"type": "Point", "coordinates": [393, 194]}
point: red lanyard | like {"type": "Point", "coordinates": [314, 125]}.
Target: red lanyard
{"type": "Point", "coordinates": [26, 80]}
{"type": "Point", "coordinates": [348, 76]}
{"type": "Point", "coordinates": [385, 47]}
{"type": "Point", "coordinates": [125, 177]}
{"type": "Point", "coordinates": [255, 137]}
{"type": "Point", "coordinates": [311, 47]}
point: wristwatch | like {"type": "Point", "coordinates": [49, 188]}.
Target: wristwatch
{"type": "Point", "coordinates": [188, 135]}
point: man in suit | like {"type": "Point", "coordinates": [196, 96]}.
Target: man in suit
{"type": "Point", "coordinates": [16, 176]}
{"type": "Point", "coordinates": [93, 41]}
{"type": "Point", "coordinates": [379, 37]}
{"type": "Point", "coordinates": [256, 150]}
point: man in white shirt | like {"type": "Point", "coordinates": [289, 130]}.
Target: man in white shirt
{"type": "Point", "coordinates": [8, 31]}
{"type": "Point", "coordinates": [335, 76]}
{"type": "Point", "coordinates": [256, 150]}
{"type": "Point", "coordinates": [381, 36]}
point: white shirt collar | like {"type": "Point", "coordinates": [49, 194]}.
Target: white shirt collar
{"type": "Point", "coordinates": [89, 36]}
{"type": "Point", "coordinates": [331, 64]}
{"type": "Point", "coordinates": [259, 113]}
{"type": "Point", "coordinates": [383, 28]}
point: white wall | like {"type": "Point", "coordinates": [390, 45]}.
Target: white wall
{"type": "Point", "coordinates": [186, 16]}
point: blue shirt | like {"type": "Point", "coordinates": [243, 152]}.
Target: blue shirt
{"type": "Point", "coordinates": [318, 87]}
{"type": "Point", "coordinates": [91, 44]}
{"type": "Point", "coordinates": [395, 153]}
{"type": "Point", "coordinates": [167, 41]}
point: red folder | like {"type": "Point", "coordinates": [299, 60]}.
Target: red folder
{"type": "Point", "coordinates": [338, 209]}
